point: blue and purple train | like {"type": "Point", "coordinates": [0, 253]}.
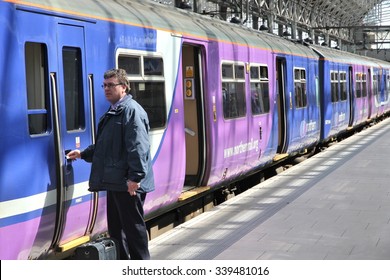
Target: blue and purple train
{"type": "Point", "coordinates": [223, 101]}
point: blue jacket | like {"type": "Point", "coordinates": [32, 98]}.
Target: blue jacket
{"type": "Point", "coordinates": [122, 149]}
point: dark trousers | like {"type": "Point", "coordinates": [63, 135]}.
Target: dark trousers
{"type": "Point", "coordinates": [125, 214]}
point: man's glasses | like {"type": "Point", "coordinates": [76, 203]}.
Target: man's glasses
{"type": "Point", "coordinates": [110, 85]}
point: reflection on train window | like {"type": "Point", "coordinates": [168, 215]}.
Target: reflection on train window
{"type": "Point", "coordinates": [37, 88]}
{"type": "Point", "coordinates": [73, 87]}
{"type": "Point", "coordinates": [233, 90]}
{"type": "Point", "coordinates": [147, 83]}
{"type": "Point", "coordinates": [300, 88]}
{"type": "Point", "coordinates": [361, 85]}
{"type": "Point", "coordinates": [153, 66]}
{"type": "Point", "coordinates": [259, 90]}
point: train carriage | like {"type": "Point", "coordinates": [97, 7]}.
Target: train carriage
{"type": "Point", "coordinates": [223, 101]}
{"type": "Point", "coordinates": [379, 102]}
{"type": "Point", "coordinates": [345, 91]}
{"type": "Point", "coordinates": [245, 98]}
{"type": "Point", "coordinates": [298, 112]}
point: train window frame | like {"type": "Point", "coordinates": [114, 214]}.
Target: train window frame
{"type": "Point", "coordinates": [343, 86]}
{"type": "Point", "coordinates": [233, 89]}
{"type": "Point", "coordinates": [334, 86]}
{"type": "Point", "coordinates": [375, 88]}
{"type": "Point", "coordinates": [379, 85]}
{"type": "Point", "coordinates": [147, 88]}
{"type": "Point", "coordinates": [259, 89]}
{"type": "Point", "coordinates": [300, 87]}
{"type": "Point", "coordinates": [37, 88]}
{"type": "Point", "coordinates": [364, 85]}
{"type": "Point", "coordinates": [360, 84]}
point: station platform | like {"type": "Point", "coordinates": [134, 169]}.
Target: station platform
{"type": "Point", "coordinates": [333, 206]}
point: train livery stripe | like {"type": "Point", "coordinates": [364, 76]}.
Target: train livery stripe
{"type": "Point", "coordinates": [21, 209]}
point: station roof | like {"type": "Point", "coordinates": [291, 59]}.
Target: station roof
{"type": "Point", "coordinates": [347, 12]}
{"type": "Point", "coordinates": [350, 12]}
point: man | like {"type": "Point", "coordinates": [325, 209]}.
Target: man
{"type": "Point", "coordinates": [122, 166]}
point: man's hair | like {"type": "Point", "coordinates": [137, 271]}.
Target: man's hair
{"type": "Point", "coordinates": [121, 75]}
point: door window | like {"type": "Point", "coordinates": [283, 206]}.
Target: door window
{"type": "Point", "coordinates": [37, 88]}
{"type": "Point", "coordinates": [73, 85]}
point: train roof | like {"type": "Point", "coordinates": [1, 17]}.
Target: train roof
{"type": "Point", "coordinates": [339, 56]}
{"type": "Point", "coordinates": [148, 14]}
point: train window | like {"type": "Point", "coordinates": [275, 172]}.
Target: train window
{"type": "Point", "coordinates": [227, 71]}
{"type": "Point", "coordinates": [343, 86]}
{"type": "Point", "coordinates": [375, 85]}
{"type": "Point", "coordinates": [233, 90]}
{"type": "Point", "coordinates": [364, 85]}
{"type": "Point", "coordinates": [37, 88]}
{"type": "Point", "coordinates": [255, 73]}
{"type": "Point", "coordinates": [303, 74]}
{"type": "Point", "coordinates": [300, 88]}
{"type": "Point", "coordinates": [131, 64]}
{"type": "Point", "coordinates": [361, 85]}
{"type": "Point", "coordinates": [387, 89]}
{"type": "Point", "coordinates": [153, 66]}
{"type": "Point", "coordinates": [239, 71]}
{"type": "Point", "coordinates": [152, 98]}
{"type": "Point", "coordinates": [147, 85]}
{"type": "Point", "coordinates": [259, 90]}
{"type": "Point", "coordinates": [357, 86]}
{"type": "Point", "coordinates": [297, 74]}
{"type": "Point", "coordinates": [334, 86]}
{"type": "Point", "coordinates": [73, 86]}
{"type": "Point", "coordinates": [264, 72]}
{"type": "Point", "coordinates": [379, 87]}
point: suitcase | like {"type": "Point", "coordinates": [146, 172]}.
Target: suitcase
{"type": "Point", "coordinates": [100, 249]}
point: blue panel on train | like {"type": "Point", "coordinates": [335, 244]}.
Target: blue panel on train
{"type": "Point", "coordinates": [139, 38]}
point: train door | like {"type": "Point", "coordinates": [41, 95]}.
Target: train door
{"type": "Point", "coordinates": [369, 93]}
{"type": "Point", "coordinates": [383, 90]}
{"type": "Point", "coordinates": [192, 75]}
{"type": "Point", "coordinates": [351, 97]}
{"type": "Point", "coordinates": [282, 110]}
{"type": "Point", "coordinates": [380, 87]}
{"type": "Point", "coordinates": [74, 130]}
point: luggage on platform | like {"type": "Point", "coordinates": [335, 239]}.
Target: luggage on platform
{"type": "Point", "coordinates": [100, 249]}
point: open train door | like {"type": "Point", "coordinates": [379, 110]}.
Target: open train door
{"type": "Point", "coordinates": [192, 75]}
{"type": "Point", "coordinates": [281, 107]}
{"type": "Point", "coordinates": [74, 129]}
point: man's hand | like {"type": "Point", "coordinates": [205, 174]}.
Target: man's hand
{"type": "Point", "coordinates": [132, 187]}
{"type": "Point", "coordinates": [73, 155]}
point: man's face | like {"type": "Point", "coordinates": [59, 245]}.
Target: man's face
{"type": "Point", "coordinates": [113, 90]}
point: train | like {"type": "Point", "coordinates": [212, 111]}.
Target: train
{"type": "Point", "coordinates": [224, 101]}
